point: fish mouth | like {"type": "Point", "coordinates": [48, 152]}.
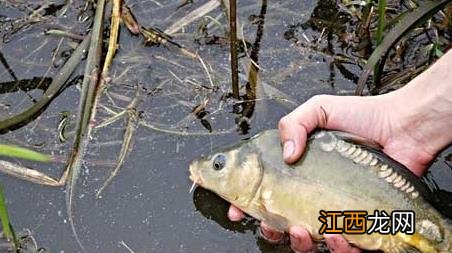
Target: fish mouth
{"type": "Point", "coordinates": [194, 176]}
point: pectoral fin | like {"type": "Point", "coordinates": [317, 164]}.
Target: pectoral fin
{"type": "Point", "coordinates": [275, 220]}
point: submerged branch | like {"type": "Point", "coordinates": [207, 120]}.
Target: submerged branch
{"type": "Point", "coordinates": [130, 127]}
{"type": "Point", "coordinates": [173, 131]}
{"type": "Point", "coordinates": [192, 16]}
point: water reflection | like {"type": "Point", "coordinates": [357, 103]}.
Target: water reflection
{"type": "Point", "coordinates": [7, 67]}
{"type": "Point", "coordinates": [41, 83]}
{"type": "Point", "coordinates": [215, 208]}
{"type": "Point", "coordinates": [249, 99]}
{"type": "Point", "coordinates": [328, 31]}
{"type": "Point", "coordinates": [148, 206]}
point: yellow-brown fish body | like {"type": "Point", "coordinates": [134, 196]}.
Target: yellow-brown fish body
{"type": "Point", "coordinates": [332, 175]}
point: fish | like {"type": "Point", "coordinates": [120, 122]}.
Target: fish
{"type": "Point", "coordinates": [335, 173]}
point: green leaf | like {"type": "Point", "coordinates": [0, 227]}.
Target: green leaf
{"type": "Point", "coordinates": [381, 20]}
{"type": "Point", "coordinates": [4, 217]}
{"type": "Point", "coordinates": [19, 152]}
{"type": "Point", "coordinates": [438, 52]}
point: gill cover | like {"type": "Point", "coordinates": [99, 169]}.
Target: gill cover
{"type": "Point", "coordinates": [234, 174]}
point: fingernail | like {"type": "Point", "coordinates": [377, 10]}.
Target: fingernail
{"type": "Point", "coordinates": [270, 235]}
{"type": "Point", "coordinates": [235, 215]}
{"type": "Point", "coordinates": [288, 150]}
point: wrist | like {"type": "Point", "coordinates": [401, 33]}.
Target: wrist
{"type": "Point", "coordinates": [424, 106]}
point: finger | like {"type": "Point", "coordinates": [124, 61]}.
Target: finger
{"type": "Point", "coordinates": [337, 244]}
{"type": "Point", "coordinates": [269, 234]}
{"type": "Point", "coordinates": [295, 127]}
{"type": "Point", "coordinates": [235, 214]}
{"type": "Point", "coordinates": [300, 240]}
{"type": "Point", "coordinates": [293, 138]}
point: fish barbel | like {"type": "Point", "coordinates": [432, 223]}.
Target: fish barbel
{"type": "Point", "coordinates": [334, 174]}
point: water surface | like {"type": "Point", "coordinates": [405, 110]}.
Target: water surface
{"type": "Point", "coordinates": [148, 206]}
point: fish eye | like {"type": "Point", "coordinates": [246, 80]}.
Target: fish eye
{"type": "Point", "coordinates": [219, 161]}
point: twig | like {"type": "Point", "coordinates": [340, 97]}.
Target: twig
{"type": "Point", "coordinates": [129, 20]}
{"type": "Point", "coordinates": [111, 120]}
{"type": "Point", "coordinates": [126, 246]}
{"type": "Point", "coordinates": [27, 174]}
{"type": "Point", "coordinates": [192, 16]}
{"type": "Point", "coordinates": [182, 133]}
{"type": "Point", "coordinates": [131, 125]}
{"type": "Point", "coordinates": [56, 32]}
{"type": "Point", "coordinates": [112, 43]}
{"type": "Point", "coordinates": [246, 49]}
{"type": "Point", "coordinates": [233, 48]}
{"type": "Point", "coordinates": [207, 71]}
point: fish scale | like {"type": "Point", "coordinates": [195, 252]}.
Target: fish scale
{"type": "Point", "coordinates": [363, 157]}
{"type": "Point", "coordinates": [333, 174]}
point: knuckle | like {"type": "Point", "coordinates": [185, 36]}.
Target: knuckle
{"type": "Point", "coordinates": [284, 123]}
{"type": "Point", "coordinates": [318, 99]}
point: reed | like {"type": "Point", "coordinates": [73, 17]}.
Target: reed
{"type": "Point", "coordinates": [233, 48]}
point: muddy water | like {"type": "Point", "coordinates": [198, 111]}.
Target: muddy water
{"type": "Point", "coordinates": [148, 206]}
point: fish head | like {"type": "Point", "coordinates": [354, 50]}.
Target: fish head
{"type": "Point", "coordinates": [233, 174]}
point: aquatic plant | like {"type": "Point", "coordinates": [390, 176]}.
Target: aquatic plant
{"type": "Point", "coordinates": [404, 24]}
{"type": "Point", "coordinates": [8, 230]}
{"type": "Point", "coordinates": [22, 153]}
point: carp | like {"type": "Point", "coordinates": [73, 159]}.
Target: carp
{"type": "Point", "coordinates": [335, 173]}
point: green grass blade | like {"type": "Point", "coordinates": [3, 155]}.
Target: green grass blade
{"type": "Point", "coordinates": [405, 24]}
{"type": "Point", "coordinates": [4, 217]}
{"type": "Point", "coordinates": [19, 152]}
{"type": "Point", "coordinates": [380, 31]}
{"type": "Point", "coordinates": [381, 20]}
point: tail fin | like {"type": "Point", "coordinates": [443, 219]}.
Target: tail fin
{"type": "Point", "coordinates": [446, 226]}
{"type": "Point", "coordinates": [429, 237]}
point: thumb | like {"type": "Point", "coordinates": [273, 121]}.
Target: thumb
{"type": "Point", "coordinates": [295, 126]}
{"type": "Point", "coordinates": [293, 138]}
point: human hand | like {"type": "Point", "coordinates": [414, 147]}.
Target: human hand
{"type": "Point", "coordinates": [412, 125]}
